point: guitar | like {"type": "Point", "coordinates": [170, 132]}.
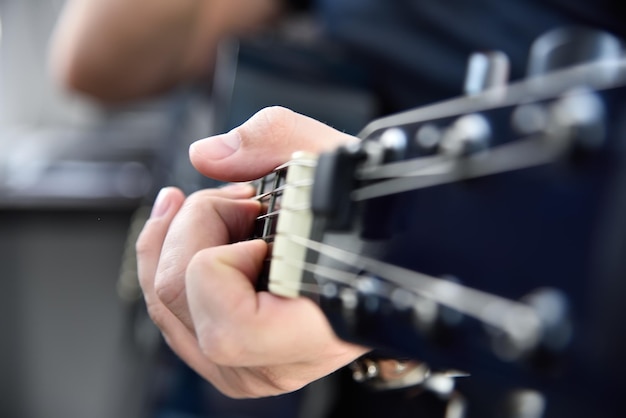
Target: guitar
{"type": "Point", "coordinates": [483, 237]}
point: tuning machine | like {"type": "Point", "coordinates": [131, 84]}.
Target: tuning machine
{"type": "Point", "coordinates": [468, 135]}
{"type": "Point", "coordinates": [539, 335]}
{"type": "Point", "coordinates": [579, 117]}
{"type": "Point", "coordinates": [486, 71]}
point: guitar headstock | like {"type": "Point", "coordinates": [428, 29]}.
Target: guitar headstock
{"type": "Point", "coordinates": [484, 234]}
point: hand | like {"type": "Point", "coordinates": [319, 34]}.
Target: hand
{"type": "Point", "coordinates": [198, 276]}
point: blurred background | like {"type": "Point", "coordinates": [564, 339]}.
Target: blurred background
{"type": "Point", "coordinates": [73, 176]}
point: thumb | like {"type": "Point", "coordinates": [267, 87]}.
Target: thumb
{"type": "Point", "coordinates": [261, 144]}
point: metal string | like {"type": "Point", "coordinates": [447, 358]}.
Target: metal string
{"type": "Point", "coordinates": [509, 157]}
{"type": "Point", "coordinates": [280, 189]}
{"type": "Point", "coordinates": [488, 308]}
{"type": "Point", "coordinates": [432, 171]}
{"type": "Point", "coordinates": [275, 181]}
{"type": "Point", "coordinates": [597, 75]}
{"type": "Point", "coordinates": [418, 166]}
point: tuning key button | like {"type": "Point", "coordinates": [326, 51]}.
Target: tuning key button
{"type": "Point", "coordinates": [457, 406]}
{"type": "Point", "coordinates": [485, 71]}
{"type": "Point", "coordinates": [525, 403]}
{"type": "Point", "coordinates": [428, 136]}
{"type": "Point", "coordinates": [349, 299]}
{"type": "Point", "coordinates": [552, 308]}
{"type": "Point", "coordinates": [425, 314]}
{"type": "Point", "coordinates": [395, 142]}
{"type": "Point", "coordinates": [579, 117]}
{"type": "Point", "coordinates": [537, 330]}
{"type": "Point", "coordinates": [566, 47]}
{"type": "Point", "coordinates": [530, 119]}
{"type": "Point", "coordinates": [468, 134]}
{"type": "Point", "coordinates": [439, 322]}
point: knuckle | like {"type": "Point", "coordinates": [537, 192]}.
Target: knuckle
{"type": "Point", "coordinates": [199, 201]}
{"type": "Point", "coordinates": [219, 345]}
{"type": "Point", "coordinates": [203, 206]}
{"type": "Point", "coordinates": [274, 123]}
{"type": "Point", "coordinates": [169, 283]}
{"type": "Point", "coordinates": [199, 263]}
{"type": "Point", "coordinates": [275, 113]}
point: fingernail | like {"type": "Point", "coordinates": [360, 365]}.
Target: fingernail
{"type": "Point", "coordinates": [161, 203]}
{"type": "Point", "coordinates": [217, 147]}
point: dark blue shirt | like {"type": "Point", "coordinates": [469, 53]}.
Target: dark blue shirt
{"type": "Point", "coordinates": [415, 51]}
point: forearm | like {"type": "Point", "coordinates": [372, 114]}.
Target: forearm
{"type": "Point", "coordinates": [124, 49]}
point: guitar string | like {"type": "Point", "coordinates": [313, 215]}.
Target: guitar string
{"type": "Point", "coordinates": [528, 336]}
{"type": "Point", "coordinates": [471, 302]}
{"type": "Point", "coordinates": [332, 273]}
{"type": "Point", "coordinates": [426, 172]}
{"type": "Point", "coordinates": [281, 169]}
{"type": "Point", "coordinates": [515, 156]}
{"type": "Point", "coordinates": [351, 280]}
{"type": "Point", "coordinates": [416, 166]}
{"type": "Point", "coordinates": [485, 307]}
{"type": "Point", "coordinates": [488, 308]}
{"type": "Point", "coordinates": [592, 75]}
{"type": "Point", "coordinates": [277, 177]}
{"type": "Point", "coordinates": [426, 162]}
{"type": "Point", "coordinates": [303, 162]}
{"type": "Point", "coordinates": [533, 151]}
{"type": "Point", "coordinates": [277, 212]}
{"type": "Point", "coordinates": [281, 189]}
{"type": "Point", "coordinates": [423, 166]}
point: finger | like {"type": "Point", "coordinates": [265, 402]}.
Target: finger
{"type": "Point", "coordinates": [149, 251]}
{"type": "Point", "coordinates": [261, 144]}
{"type": "Point", "coordinates": [150, 240]}
{"type": "Point", "coordinates": [235, 325]}
{"type": "Point", "coordinates": [206, 219]}
{"type": "Point", "coordinates": [148, 248]}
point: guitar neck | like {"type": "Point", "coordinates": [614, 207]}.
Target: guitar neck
{"type": "Point", "coordinates": [286, 192]}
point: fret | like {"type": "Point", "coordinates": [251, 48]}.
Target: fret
{"type": "Point", "coordinates": [289, 214]}
{"type": "Point", "coordinates": [269, 193]}
{"type": "Point", "coordinates": [285, 198]}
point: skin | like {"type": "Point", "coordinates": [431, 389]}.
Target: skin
{"type": "Point", "coordinates": [196, 273]}
{"type": "Point", "coordinates": [122, 50]}
{"type": "Point", "coordinates": [198, 276]}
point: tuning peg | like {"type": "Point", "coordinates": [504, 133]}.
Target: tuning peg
{"type": "Point", "coordinates": [469, 134]}
{"type": "Point", "coordinates": [486, 70]}
{"type": "Point", "coordinates": [570, 46]}
{"type": "Point", "coordinates": [525, 403]}
{"type": "Point", "coordinates": [550, 307]}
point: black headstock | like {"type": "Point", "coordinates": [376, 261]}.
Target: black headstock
{"type": "Point", "coordinates": [487, 234]}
